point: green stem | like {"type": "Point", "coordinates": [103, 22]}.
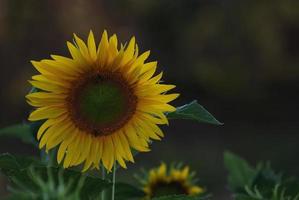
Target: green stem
{"type": "Point", "coordinates": [103, 195]}
{"type": "Point", "coordinates": [113, 181]}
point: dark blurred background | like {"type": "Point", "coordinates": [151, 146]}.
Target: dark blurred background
{"type": "Point", "coordinates": [240, 59]}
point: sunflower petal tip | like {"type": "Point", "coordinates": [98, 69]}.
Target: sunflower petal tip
{"type": "Point", "coordinates": [33, 62]}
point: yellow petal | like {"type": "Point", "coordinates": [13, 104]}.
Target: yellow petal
{"type": "Point", "coordinates": [164, 98]}
{"type": "Point", "coordinates": [140, 60]}
{"type": "Point", "coordinates": [113, 52]}
{"type": "Point", "coordinates": [162, 170]}
{"type": "Point", "coordinates": [45, 96]}
{"type": "Point", "coordinates": [44, 126]}
{"type": "Point", "coordinates": [119, 152]}
{"type": "Point", "coordinates": [89, 159]}
{"type": "Point", "coordinates": [51, 79]}
{"type": "Point", "coordinates": [48, 87]}
{"type": "Point", "coordinates": [57, 127]}
{"type": "Point", "coordinates": [108, 153]}
{"type": "Point", "coordinates": [77, 56]}
{"type": "Point", "coordinates": [59, 135]}
{"type": "Point", "coordinates": [84, 148]}
{"type": "Point", "coordinates": [72, 151]}
{"type": "Point", "coordinates": [94, 149]}
{"type": "Point", "coordinates": [99, 151]}
{"type": "Point", "coordinates": [53, 67]}
{"type": "Point", "coordinates": [151, 127]}
{"type": "Point", "coordinates": [149, 66]}
{"type": "Point", "coordinates": [135, 142]}
{"type": "Point", "coordinates": [146, 90]}
{"type": "Point", "coordinates": [185, 172]}
{"type": "Point", "coordinates": [46, 112]}
{"type": "Point", "coordinates": [118, 145]}
{"type": "Point", "coordinates": [68, 63]}
{"type": "Point", "coordinates": [92, 46]}
{"type": "Point", "coordinates": [146, 130]}
{"type": "Point", "coordinates": [102, 49]}
{"type": "Point", "coordinates": [82, 47]}
{"type": "Point", "coordinates": [195, 190]}
{"type": "Point", "coordinates": [129, 52]}
{"type": "Point", "coordinates": [64, 145]}
{"type": "Point", "coordinates": [126, 146]}
{"type": "Point", "coordinates": [147, 106]}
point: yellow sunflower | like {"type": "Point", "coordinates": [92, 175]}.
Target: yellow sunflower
{"type": "Point", "coordinates": [161, 181]}
{"type": "Point", "coordinates": [99, 103]}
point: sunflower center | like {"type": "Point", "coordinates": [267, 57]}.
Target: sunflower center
{"type": "Point", "coordinates": [164, 189]}
{"type": "Point", "coordinates": [102, 103]}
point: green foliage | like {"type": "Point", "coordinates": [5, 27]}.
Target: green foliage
{"type": "Point", "coordinates": [125, 192]}
{"type": "Point", "coordinates": [20, 131]}
{"type": "Point", "coordinates": [182, 197]}
{"type": "Point", "coordinates": [31, 179]}
{"type": "Point", "coordinates": [240, 173]}
{"type": "Point", "coordinates": [258, 183]}
{"type": "Point", "coordinates": [193, 111]}
{"type": "Point", "coordinates": [278, 193]}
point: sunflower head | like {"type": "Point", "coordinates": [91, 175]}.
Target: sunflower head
{"type": "Point", "coordinates": [163, 181]}
{"type": "Point", "coordinates": [99, 103]}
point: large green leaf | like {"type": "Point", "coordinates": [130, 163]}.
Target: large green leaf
{"type": "Point", "coordinates": [20, 131]}
{"type": "Point", "coordinates": [182, 197]}
{"type": "Point", "coordinates": [193, 111]}
{"type": "Point", "coordinates": [241, 174]}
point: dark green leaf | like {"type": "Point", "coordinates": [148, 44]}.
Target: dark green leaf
{"type": "Point", "coordinates": [16, 197]}
{"type": "Point", "coordinates": [10, 164]}
{"type": "Point", "coordinates": [124, 191]}
{"type": "Point", "coordinates": [19, 131]}
{"type": "Point", "coordinates": [193, 111]}
{"type": "Point", "coordinates": [240, 172]}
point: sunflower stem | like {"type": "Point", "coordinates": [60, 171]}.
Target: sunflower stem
{"type": "Point", "coordinates": [113, 181]}
{"type": "Point", "coordinates": [103, 194]}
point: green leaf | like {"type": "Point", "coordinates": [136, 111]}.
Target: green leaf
{"type": "Point", "coordinates": [193, 111]}
{"type": "Point", "coordinates": [19, 131]}
{"type": "Point", "coordinates": [124, 191]}
{"type": "Point", "coordinates": [241, 174]}
{"type": "Point", "coordinates": [182, 197]}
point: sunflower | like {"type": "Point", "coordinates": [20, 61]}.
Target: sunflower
{"type": "Point", "coordinates": [99, 103]}
{"type": "Point", "coordinates": [161, 181]}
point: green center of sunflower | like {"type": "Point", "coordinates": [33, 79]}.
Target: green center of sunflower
{"type": "Point", "coordinates": [102, 103]}
{"type": "Point", "coordinates": [165, 189]}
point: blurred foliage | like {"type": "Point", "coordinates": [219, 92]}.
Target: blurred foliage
{"type": "Point", "coordinates": [31, 179]}
{"type": "Point", "coordinates": [19, 131]}
{"type": "Point", "coordinates": [182, 197]}
{"type": "Point", "coordinates": [260, 183]}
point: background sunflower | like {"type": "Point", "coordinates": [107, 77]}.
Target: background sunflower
{"type": "Point", "coordinates": [164, 180]}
